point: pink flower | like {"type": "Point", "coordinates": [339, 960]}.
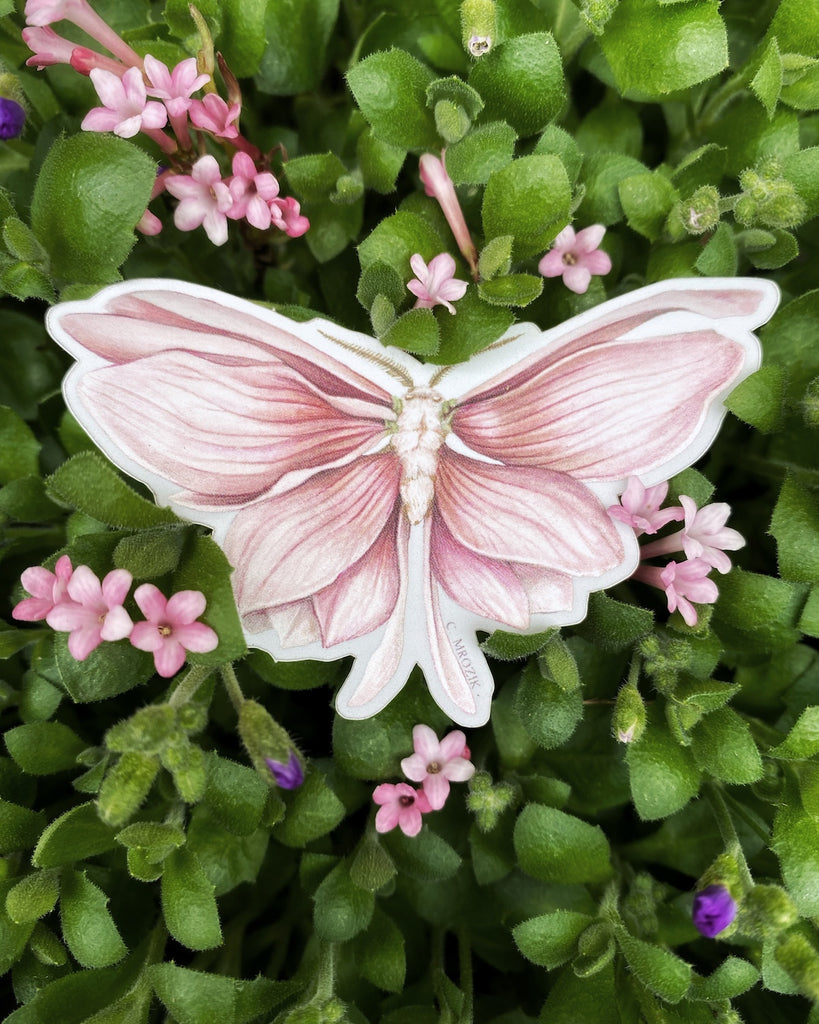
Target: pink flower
{"type": "Point", "coordinates": [214, 115]}
{"type": "Point", "coordinates": [205, 199]}
{"type": "Point", "coordinates": [252, 191]}
{"type": "Point", "coordinates": [400, 805]}
{"type": "Point", "coordinates": [47, 589]}
{"type": "Point", "coordinates": [84, 61]}
{"type": "Point", "coordinates": [127, 110]}
{"type": "Point", "coordinates": [286, 215]}
{"type": "Point", "coordinates": [376, 507]}
{"type": "Point", "coordinates": [706, 536]}
{"type": "Point", "coordinates": [683, 582]}
{"type": "Point", "coordinates": [171, 627]}
{"type": "Point", "coordinates": [94, 612]}
{"type": "Point", "coordinates": [640, 509]}
{"type": "Point", "coordinates": [436, 764]}
{"type": "Point", "coordinates": [48, 47]}
{"type": "Point", "coordinates": [438, 185]}
{"type": "Point", "coordinates": [576, 257]}
{"type": "Point", "coordinates": [175, 87]}
{"type": "Point", "coordinates": [435, 284]}
{"type": "Point", "coordinates": [80, 12]}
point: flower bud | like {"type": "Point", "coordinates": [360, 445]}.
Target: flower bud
{"type": "Point", "coordinates": [12, 112]}
{"type": "Point", "coordinates": [148, 730]}
{"type": "Point", "coordinates": [713, 911]}
{"type": "Point", "coordinates": [186, 763]}
{"type": "Point", "coordinates": [488, 802]}
{"type": "Point", "coordinates": [596, 13]}
{"type": "Point", "coordinates": [768, 200]}
{"type": "Point", "coordinates": [125, 787]}
{"type": "Point", "coordinates": [479, 28]}
{"type": "Point", "coordinates": [271, 750]}
{"type": "Point", "coordinates": [629, 718]}
{"type": "Point", "coordinates": [700, 212]}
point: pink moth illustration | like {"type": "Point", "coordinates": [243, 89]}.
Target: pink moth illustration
{"type": "Point", "coordinates": [376, 506]}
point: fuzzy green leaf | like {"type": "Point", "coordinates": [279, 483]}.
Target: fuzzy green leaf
{"type": "Point", "coordinates": [551, 939]}
{"type": "Point", "coordinates": [313, 810]}
{"type": "Point", "coordinates": [767, 82]}
{"type": "Point", "coordinates": [554, 846]}
{"type": "Point", "coordinates": [73, 836]}
{"type": "Point", "coordinates": [530, 199]}
{"type": "Point", "coordinates": [722, 746]}
{"type": "Point", "coordinates": [646, 199]}
{"type": "Point", "coordinates": [486, 149]}
{"type": "Point", "coordinates": [291, 41]}
{"type": "Point", "coordinates": [390, 88]}
{"type": "Point", "coordinates": [342, 910]}
{"type": "Point", "coordinates": [188, 904]}
{"type": "Point", "coordinates": [44, 748]}
{"type": "Point", "coordinates": [758, 399]}
{"type": "Point", "coordinates": [802, 740]}
{"type": "Point", "coordinates": [658, 969]}
{"type": "Point", "coordinates": [662, 774]}
{"type": "Point", "coordinates": [88, 928]}
{"type": "Point", "coordinates": [795, 525]}
{"type": "Point", "coordinates": [379, 953]}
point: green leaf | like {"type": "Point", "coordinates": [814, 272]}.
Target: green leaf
{"type": "Point", "coordinates": [398, 237]}
{"type": "Point", "coordinates": [235, 794]}
{"type": "Point", "coordinates": [313, 810]}
{"type": "Point", "coordinates": [722, 745]}
{"type": "Point", "coordinates": [194, 997]}
{"type": "Point", "coordinates": [551, 939]}
{"type": "Point", "coordinates": [530, 199]}
{"type": "Point", "coordinates": [521, 81]}
{"type": "Point", "coordinates": [292, 675]}
{"type": "Point", "coordinates": [188, 903]}
{"type": "Point", "coordinates": [796, 844]}
{"type": "Point", "coordinates": [371, 867]}
{"type": "Point", "coordinates": [486, 149]}
{"type": "Point", "coordinates": [803, 93]}
{"type": "Point", "coordinates": [549, 713]}
{"type": "Point", "coordinates": [654, 50]}
{"type": "Point", "coordinates": [456, 91]}
{"type": "Point", "coordinates": [559, 142]}
{"type": "Point", "coordinates": [475, 326]}
{"type": "Point", "coordinates": [646, 199]}
{"type": "Point", "coordinates": [767, 82]}
{"type": "Point", "coordinates": [572, 999]}
{"type": "Point", "coordinates": [126, 787]}
{"type": "Point", "coordinates": [293, 43]}
{"type": "Point", "coordinates": [154, 839]}
{"type": "Point", "coordinates": [802, 740]}
{"type": "Point", "coordinates": [719, 257]}
{"type": "Point", "coordinates": [33, 897]}
{"type": "Point", "coordinates": [612, 625]}
{"type": "Point", "coordinates": [21, 242]}
{"type": "Point", "coordinates": [658, 969]}
{"type": "Point", "coordinates": [379, 953]}
{"type": "Point", "coordinates": [511, 646]}
{"type": "Point", "coordinates": [415, 331]}
{"type": "Point", "coordinates": [151, 553]}
{"type": "Point", "coordinates": [758, 399]}
{"type": "Point", "coordinates": [342, 910]}
{"type": "Point", "coordinates": [756, 611]}
{"type": "Point", "coordinates": [314, 176]}
{"type": "Point", "coordinates": [783, 249]}
{"type": "Point", "coordinates": [75, 835]}
{"type": "Point", "coordinates": [88, 483]}
{"type": "Point", "coordinates": [390, 88]}
{"type": "Point", "coordinates": [90, 192]}
{"type": "Point", "coordinates": [662, 774]}
{"type": "Point", "coordinates": [733, 977]}
{"type": "Point", "coordinates": [795, 525]}
{"type": "Point", "coordinates": [602, 175]}
{"type": "Point", "coordinates": [19, 448]}
{"type": "Point", "coordinates": [109, 670]}
{"type": "Point", "coordinates": [227, 860]}
{"type": "Point", "coordinates": [796, 26]}
{"type": "Point", "coordinates": [426, 856]}
{"type": "Point", "coordinates": [88, 928]}
{"type": "Point", "coordinates": [19, 826]}
{"type": "Point", "coordinates": [379, 161]}
{"type": "Point", "coordinates": [511, 290]}
{"type": "Point", "coordinates": [554, 846]}
{"type": "Point", "coordinates": [381, 279]}
{"type": "Point", "coordinates": [44, 748]}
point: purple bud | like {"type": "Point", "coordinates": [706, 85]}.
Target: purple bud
{"type": "Point", "coordinates": [12, 118]}
{"type": "Point", "coordinates": [288, 776]}
{"type": "Point", "coordinates": [714, 909]}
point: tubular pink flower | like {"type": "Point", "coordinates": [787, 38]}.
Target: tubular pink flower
{"type": "Point", "coordinates": [171, 628]}
{"type": "Point", "coordinates": [435, 284]}
{"type": "Point", "coordinates": [400, 805]}
{"type": "Point", "coordinates": [683, 582]}
{"type": "Point", "coordinates": [127, 110]}
{"type": "Point", "coordinates": [149, 224]}
{"type": "Point", "coordinates": [94, 612]}
{"type": "Point", "coordinates": [213, 114]}
{"type": "Point", "coordinates": [47, 590]}
{"type": "Point", "coordinates": [640, 509]}
{"type": "Point", "coordinates": [438, 185]}
{"type": "Point", "coordinates": [48, 47]}
{"type": "Point", "coordinates": [204, 199]}
{"type": "Point", "coordinates": [80, 13]}
{"type": "Point", "coordinates": [704, 536]}
{"type": "Point", "coordinates": [85, 60]}
{"type": "Point", "coordinates": [435, 764]}
{"type": "Point", "coordinates": [252, 191]}
{"type": "Point", "coordinates": [287, 216]}
{"type": "Point", "coordinates": [575, 257]}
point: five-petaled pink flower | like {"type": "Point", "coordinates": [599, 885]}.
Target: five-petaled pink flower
{"type": "Point", "coordinates": [435, 764]}
{"type": "Point", "coordinates": [214, 115]}
{"type": "Point", "coordinates": [435, 284]}
{"type": "Point", "coordinates": [47, 589]}
{"type": "Point", "coordinates": [127, 109]}
{"type": "Point", "coordinates": [400, 805]}
{"type": "Point", "coordinates": [683, 582]}
{"type": "Point", "coordinates": [205, 199]}
{"type": "Point", "coordinates": [575, 257]}
{"type": "Point", "coordinates": [640, 509]}
{"type": "Point", "coordinates": [171, 627]}
{"type": "Point", "coordinates": [94, 612]}
{"type": "Point", "coordinates": [287, 216]}
{"type": "Point", "coordinates": [705, 534]}
{"type": "Point", "coordinates": [175, 87]}
{"type": "Point", "coordinates": [252, 191]}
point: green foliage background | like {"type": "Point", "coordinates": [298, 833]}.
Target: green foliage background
{"type": "Point", "coordinates": [147, 871]}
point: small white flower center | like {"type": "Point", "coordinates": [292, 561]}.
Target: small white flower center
{"type": "Point", "coordinates": [419, 432]}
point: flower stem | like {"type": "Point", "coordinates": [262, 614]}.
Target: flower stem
{"type": "Point", "coordinates": [728, 832]}
{"type": "Point", "coordinates": [189, 685]}
{"type": "Point", "coordinates": [326, 972]}
{"type": "Point", "coordinates": [237, 698]}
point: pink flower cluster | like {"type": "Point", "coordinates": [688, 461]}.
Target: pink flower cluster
{"type": "Point", "coordinates": [125, 81]}
{"type": "Point", "coordinates": [704, 539]}
{"type": "Point", "coordinates": [435, 764]}
{"type": "Point", "coordinates": [74, 601]}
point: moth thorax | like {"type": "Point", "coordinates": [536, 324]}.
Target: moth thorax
{"type": "Point", "coordinates": [419, 433]}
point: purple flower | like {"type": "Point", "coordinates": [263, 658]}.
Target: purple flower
{"type": "Point", "coordinates": [714, 909]}
{"type": "Point", "coordinates": [12, 118]}
{"type": "Point", "coordinates": [288, 776]}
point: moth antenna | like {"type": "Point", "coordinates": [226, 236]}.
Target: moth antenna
{"type": "Point", "coordinates": [439, 376]}
{"type": "Point", "coordinates": [392, 368]}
